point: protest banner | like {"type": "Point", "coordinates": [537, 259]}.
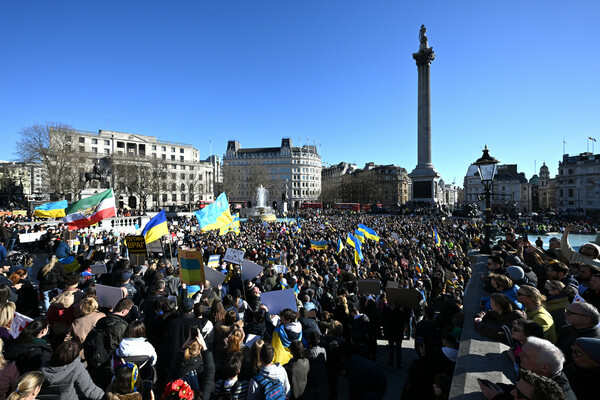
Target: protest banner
{"type": "Point", "coordinates": [234, 256]}
{"type": "Point", "coordinates": [19, 323]}
{"type": "Point", "coordinates": [108, 296]}
{"type": "Point", "coordinates": [30, 237]}
{"type": "Point", "coordinates": [213, 261]}
{"type": "Point", "coordinates": [213, 276]}
{"type": "Point", "coordinates": [155, 246]}
{"type": "Point", "coordinates": [280, 269]}
{"type": "Point", "coordinates": [98, 269]}
{"type": "Point", "coordinates": [250, 270]}
{"type": "Point", "coordinates": [191, 267]}
{"type": "Point", "coordinates": [406, 297]}
{"type": "Point", "coordinates": [278, 300]}
{"type": "Point", "coordinates": [135, 244]}
{"type": "Point", "coordinates": [369, 286]}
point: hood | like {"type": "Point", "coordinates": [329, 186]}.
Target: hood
{"type": "Point", "coordinates": [61, 375]}
{"type": "Point", "coordinates": [67, 298]}
{"type": "Point", "coordinates": [596, 247]}
{"type": "Point", "coordinates": [131, 345]}
{"type": "Point", "coordinates": [272, 371]}
{"type": "Point", "coordinates": [294, 327]}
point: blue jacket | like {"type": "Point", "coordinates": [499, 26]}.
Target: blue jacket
{"type": "Point", "coordinates": [512, 295]}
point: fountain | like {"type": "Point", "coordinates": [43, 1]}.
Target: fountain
{"type": "Point", "coordinates": [262, 211]}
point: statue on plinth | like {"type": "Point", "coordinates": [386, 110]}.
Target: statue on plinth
{"type": "Point", "coordinates": [100, 172]}
{"type": "Point", "coordinates": [423, 38]}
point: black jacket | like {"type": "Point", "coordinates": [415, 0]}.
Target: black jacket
{"type": "Point", "coordinates": [29, 356]}
{"type": "Point", "coordinates": [115, 326]}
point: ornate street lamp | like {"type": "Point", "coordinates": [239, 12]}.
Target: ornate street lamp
{"type": "Point", "coordinates": [487, 166]}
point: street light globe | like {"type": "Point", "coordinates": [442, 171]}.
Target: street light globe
{"type": "Point", "coordinates": [487, 166]}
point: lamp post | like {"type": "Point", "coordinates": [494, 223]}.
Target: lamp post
{"type": "Point", "coordinates": [487, 166]}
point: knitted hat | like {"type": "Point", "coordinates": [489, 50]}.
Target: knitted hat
{"type": "Point", "coordinates": [591, 347]}
{"type": "Point", "coordinates": [515, 273]}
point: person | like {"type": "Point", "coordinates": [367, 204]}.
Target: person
{"type": "Point", "coordinates": [533, 301]}
{"type": "Point", "coordinates": [51, 277]}
{"type": "Point", "coordinates": [3, 252]}
{"type": "Point", "coordinates": [134, 343]}
{"type": "Point", "coordinates": [66, 376]}
{"type": "Point", "coordinates": [521, 330]}
{"type": "Point", "coordinates": [7, 313]}
{"type": "Point", "coordinates": [283, 333]}
{"type": "Point", "coordinates": [592, 294]}
{"type": "Point", "coordinates": [297, 369]}
{"type": "Point", "coordinates": [231, 386]}
{"type": "Point", "coordinates": [582, 320]}
{"type": "Point", "coordinates": [268, 370]}
{"type": "Point", "coordinates": [61, 313]}
{"type": "Point", "coordinates": [589, 253]}
{"type": "Point", "coordinates": [441, 386]}
{"type": "Point", "coordinates": [585, 368]}
{"type": "Point", "coordinates": [127, 383]}
{"type": "Point", "coordinates": [28, 386]}
{"type": "Point", "coordinates": [9, 374]}
{"type": "Point", "coordinates": [89, 317]}
{"type": "Point", "coordinates": [530, 386]}
{"type": "Point", "coordinates": [504, 285]}
{"type": "Point", "coordinates": [395, 317]}
{"type": "Point", "coordinates": [366, 380]}
{"type": "Point", "coordinates": [559, 271]}
{"type": "Point", "coordinates": [558, 299]}
{"type": "Point", "coordinates": [30, 351]}
{"type": "Point", "coordinates": [335, 345]}
{"type": "Point", "coordinates": [27, 302]}
{"type": "Point", "coordinates": [503, 314]}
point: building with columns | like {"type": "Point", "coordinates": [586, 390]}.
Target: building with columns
{"type": "Point", "coordinates": [21, 183]}
{"type": "Point", "coordinates": [331, 181]}
{"type": "Point", "coordinates": [289, 170]}
{"type": "Point", "coordinates": [578, 184]}
{"type": "Point", "coordinates": [380, 184]}
{"type": "Point", "coordinates": [145, 172]}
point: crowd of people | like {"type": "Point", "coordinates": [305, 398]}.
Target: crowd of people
{"type": "Point", "coordinates": [171, 339]}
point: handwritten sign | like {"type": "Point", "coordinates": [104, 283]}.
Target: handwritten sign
{"type": "Point", "coordinates": [234, 256]}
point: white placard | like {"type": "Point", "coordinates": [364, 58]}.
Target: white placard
{"type": "Point", "coordinates": [98, 269]}
{"type": "Point", "coordinates": [108, 296]}
{"type": "Point", "coordinates": [30, 237]}
{"type": "Point", "coordinates": [234, 256]}
{"type": "Point", "coordinates": [250, 270]}
{"type": "Point", "coordinates": [280, 269]}
{"type": "Point", "coordinates": [99, 242]}
{"type": "Point", "coordinates": [154, 247]}
{"type": "Point", "coordinates": [215, 277]}
{"type": "Point", "coordinates": [19, 323]}
{"type": "Point", "coordinates": [278, 300]}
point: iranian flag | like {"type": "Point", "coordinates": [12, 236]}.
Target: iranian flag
{"type": "Point", "coordinates": [91, 210]}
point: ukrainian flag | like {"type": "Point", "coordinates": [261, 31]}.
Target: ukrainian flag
{"type": "Point", "coordinates": [318, 244]}
{"type": "Point", "coordinates": [234, 226]}
{"type": "Point", "coordinates": [359, 235]}
{"type": "Point", "coordinates": [215, 215]}
{"type": "Point", "coordinates": [436, 238]}
{"type": "Point", "coordinates": [281, 344]}
{"type": "Point", "coordinates": [357, 248]}
{"type": "Point", "coordinates": [191, 267]}
{"type": "Point", "coordinates": [350, 240]}
{"type": "Point", "coordinates": [70, 264]}
{"type": "Point", "coordinates": [369, 233]}
{"type": "Point", "coordinates": [156, 227]}
{"type": "Point", "coordinates": [340, 246]}
{"type": "Point", "coordinates": [51, 210]}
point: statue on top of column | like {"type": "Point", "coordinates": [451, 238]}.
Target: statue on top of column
{"type": "Point", "coordinates": [423, 37]}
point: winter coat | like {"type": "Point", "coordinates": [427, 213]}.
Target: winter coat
{"type": "Point", "coordinates": [67, 381]}
{"type": "Point", "coordinates": [511, 293]}
{"type": "Point", "coordinates": [53, 279]}
{"type": "Point", "coordinates": [62, 311]}
{"type": "Point", "coordinates": [492, 322]}
{"type": "Point", "coordinates": [82, 326]}
{"type": "Point", "coordinates": [9, 376]}
{"type": "Point", "coordinates": [29, 356]}
{"type": "Point", "coordinates": [297, 372]}
{"type": "Point", "coordinates": [115, 325]}
{"type": "Point", "coordinates": [272, 371]}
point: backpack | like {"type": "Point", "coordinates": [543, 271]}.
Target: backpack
{"type": "Point", "coordinates": [94, 348]}
{"type": "Point", "coordinates": [170, 286]}
{"type": "Point", "coordinates": [226, 394]}
{"type": "Point", "coordinates": [270, 389]}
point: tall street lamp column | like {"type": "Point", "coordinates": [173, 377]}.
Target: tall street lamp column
{"type": "Point", "coordinates": [487, 166]}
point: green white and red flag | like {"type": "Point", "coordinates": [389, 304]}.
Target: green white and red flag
{"type": "Point", "coordinates": [91, 210]}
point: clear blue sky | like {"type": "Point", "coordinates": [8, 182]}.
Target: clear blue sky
{"type": "Point", "coordinates": [515, 75]}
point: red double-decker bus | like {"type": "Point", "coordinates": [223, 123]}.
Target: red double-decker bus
{"type": "Point", "coordinates": [204, 203]}
{"type": "Point", "coordinates": [305, 206]}
{"type": "Point", "coordinates": [347, 206]}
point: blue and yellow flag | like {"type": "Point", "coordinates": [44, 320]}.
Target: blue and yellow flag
{"type": "Point", "coordinates": [156, 227]}
{"type": "Point", "coordinates": [215, 215]}
{"type": "Point", "coordinates": [359, 235]}
{"type": "Point", "coordinates": [191, 267]}
{"type": "Point", "coordinates": [350, 240]}
{"type": "Point", "coordinates": [70, 264]}
{"type": "Point", "coordinates": [234, 226]}
{"type": "Point", "coordinates": [51, 210]}
{"type": "Point", "coordinates": [357, 248]}
{"type": "Point", "coordinates": [318, 244]}
{"type": "Point", "coordinates": [340, 246]}
{"type": "Point", "coordinates": [436, 238]}
{"type": "Point", "coordinates": [369, 233]}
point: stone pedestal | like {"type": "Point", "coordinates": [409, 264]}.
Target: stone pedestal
{"type": "Point", "coordinates": [85, 193]}
{"type": "Point", "coordinates": [424, 177]}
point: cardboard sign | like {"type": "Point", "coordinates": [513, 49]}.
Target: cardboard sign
{"type": "Point", "coordinates": [135, 244]}
{"type": "Point", "coordinates": [108, 296]}
{"type": "Point", "coordinates": [213, 261]}
{"type": "Point", "coordinates": [215, 277]}
{"type": "Point", "coordinates": [234, 256]}
{"type": "Point", "coordinates": [250, 270]}
{"type": "Point", "coordinates": [278, 300]}
{"type": "Point", "coordinates": [98, 269]}
{"type": "Point", "coordinates": [191, 267]}
{"type": "Point", "coordinates": [155, 247]}
{"type": "Point", "coordinates": [137, 259]}
{"type": "Point", "coordinates": [369, 286]}
{"type": "Point", "coordinates": [406, 297]}
{"type": "Point", "coordinates": [280, 269]}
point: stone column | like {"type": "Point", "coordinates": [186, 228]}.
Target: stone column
{"type": "Point", "coordinates": [424, 176]}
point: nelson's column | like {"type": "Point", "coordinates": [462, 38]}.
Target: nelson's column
{"type": "Point", "coordinates": [424, 177]}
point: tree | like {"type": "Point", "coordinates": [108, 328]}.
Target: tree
{"type": "Point", "coordinates": [50, 145]}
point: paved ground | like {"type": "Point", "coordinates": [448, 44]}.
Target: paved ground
{"type": "Point", "coordinates": [396, 378]}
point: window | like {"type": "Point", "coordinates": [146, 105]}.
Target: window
{"type": "Point", "coordinates": [95, 150]}
{"type": "Point", "coordinates": [191, 177]}
{"type": "Point", "coordinates": [182, 176]}
{"type": "Point", "coordinates": [180, 158]}
{"type": "Point", "coordinates": [181, 151]}
{"type": "Point", "coordinates": [164, 197]}
{"type": "Point", "coordinates": [153, 147]}
{"type": "Point", "coordinates": [172, 158]}
{"type": "Point", "coordinates": [107, 142]}
{"type": "Point", "coordinates": [81, 149]}
{"type": "Point", "coordinates": [183, 197]}
{"type": "Point", "coordinates": [174, 197]}
{"type": "Point", "coordinates": [94, 141]}
{"type": "Point", "coordinates": [164, 148]}
{"type": "Point", "coordinates": [570, 192]}
{"type": "Point", "coordinates": [172, 149]}
{"type": "Point", "coordinates": [173, 176]}
{"type": "Point", "coordinates": [173, 187]}
{"type": "Point", "coordinates": [106, 151]}
{"type": "Point", "coordinates": [81, 140]}
{"type": "Point", "coordinates": [164, 156]}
